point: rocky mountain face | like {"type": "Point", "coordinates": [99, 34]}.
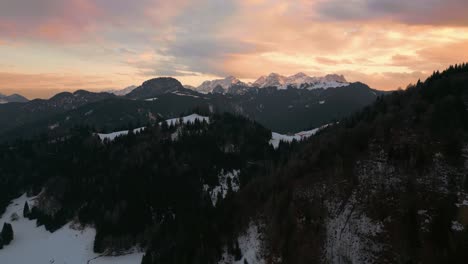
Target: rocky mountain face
{"type": "Point", "coordinates": [122, 92]}
{"type": "Point", "coordinates": [225, 84]}
{"type": "Point", "coordinates": [298, 81]}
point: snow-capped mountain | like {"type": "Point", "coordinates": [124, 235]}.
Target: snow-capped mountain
{"type": "Point", "coordinates": [122, 92]}
{"type": "Point", "coordinates": [226, 83]}
{"type": "Point", "coordinates": [301, 80]}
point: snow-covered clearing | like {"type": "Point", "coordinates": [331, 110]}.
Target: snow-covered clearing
{"type": "Point", "coordinates": [171, 122]}
{"type": "Point", "coordinates": [70, 245]}
{"type": "Point", "coordinates": [188, 119]}
{"type": "Point", "coordinates": [114, 135]}
{"type": "Point", "coordinates": [276, 138]}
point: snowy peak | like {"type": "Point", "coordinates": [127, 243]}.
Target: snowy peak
{"type": "Point", "coordinates": [300, 80]}
{"type": "Point", "coordinates": [274, 79]}
{"type": "Point", "coordinates": [334, 78]}
{"type": "Point", "coordinates": [226, 83]}
{"type": "Point", "coordinates": [122, 92]}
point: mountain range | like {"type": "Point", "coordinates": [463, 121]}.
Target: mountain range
{"type": "Point", "coordinates": [298, 81]}
{"type": "Point", "coordinates": [282, 110]}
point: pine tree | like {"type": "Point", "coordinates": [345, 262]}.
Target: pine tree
{"type": "Point", "coordinates": [237, 251]}
{"type": "Point", "coordinates": [26, 210]}
{"type": "Point", "coordinates": [146, 258]}
{"type": "Point", "coordinates": [7, 233]}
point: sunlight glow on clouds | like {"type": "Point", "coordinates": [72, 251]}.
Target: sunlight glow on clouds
{"type": "Point", "coordinates": [52, 45]}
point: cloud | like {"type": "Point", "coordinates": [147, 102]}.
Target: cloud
{"type": "Point", "coordinates": [121, 42]}
{"type": "Point", "coordinates": [426, 12]}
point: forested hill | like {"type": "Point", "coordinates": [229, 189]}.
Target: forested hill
{"type": "Point", "coordinates": [387, 185]}
{"type": "Point", "coordinates": [163, 189]}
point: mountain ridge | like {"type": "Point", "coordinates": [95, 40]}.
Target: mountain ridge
{"type": "Point", "coordinates": [299, 80]}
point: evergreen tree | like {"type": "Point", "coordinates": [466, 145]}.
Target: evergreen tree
{"type": "Point", "coordinates": [7, 233]}
{"type": "Point", "coordinates": [146, 258]}
{"type": "Point", "coordinates": [237, 251]}
{"type": "Point", "coordinates": [1, 242]}
{"type": "Point", "coordinates": [26, 210]}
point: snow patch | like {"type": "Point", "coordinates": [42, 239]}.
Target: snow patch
{"type": "Point", "coordinates": [32, 244]}
{"type": "Point", "coordinates": [456, 226]}
{"type": "Point", "coordinates": [350, 233]}
{"type": "Point", "coordinates": [114, 135]}
{"type": "Point", "coordinates": [54, 126]}
{"type": "Point", "coordinates": [222, 189]}
{"type": "Point", "coordinates": [183, 94]}
{"type": "Point", "coordinates": [250, 245]}
{"type": "Point", "coordinates": [188, 119]}
{"type": "Point", "coordinates": [171, 122]}
{"type": "Point", "coordinates": [276, 138]}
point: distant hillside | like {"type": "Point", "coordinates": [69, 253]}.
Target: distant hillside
{"type": "Point", "coordinates": [282, 110]}
{"type": "Point", "coordinates": [14, 98]}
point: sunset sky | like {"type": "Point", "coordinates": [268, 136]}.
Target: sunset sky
{"type": "Point", "coordinates": [52, 45]}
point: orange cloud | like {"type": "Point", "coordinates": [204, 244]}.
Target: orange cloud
{"type": "Point", "coordinates": [193, 40]}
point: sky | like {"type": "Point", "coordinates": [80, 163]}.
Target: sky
{"type": "Point", "coordinates": [48, 46]}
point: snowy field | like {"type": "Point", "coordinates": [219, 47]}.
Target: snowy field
{"type": "Point", "coordinates": [188, 119]}
{"type": "Point", "coordinates": [113, 135]}
{"type": "Point", "coordinates": [67, 245]}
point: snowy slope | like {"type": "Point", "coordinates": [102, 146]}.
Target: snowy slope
{"type": "Point", "coordinates": [301, 80]}
{"type": "Point", "coordinates": [68, 245]}
{"type": "Point", "coordinates": [114, 135]}
{"type": "Point", "coordinates": [208, 86]}
{"type": "Point", "coordinates": [250, 245]}
{"type": "Point", "coordinates": [276, 138]}
{"type": "Point", "coordinates": [188, 119]}
{"type": "Point", "coordinates": [171, 122]}
{"type": "Point", "coordinates": [122, 92]}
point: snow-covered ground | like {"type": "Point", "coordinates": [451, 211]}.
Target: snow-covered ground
{"type": "Point", "coordinates": [113, 135]}
{"type": "Point", "coordinates": [223, 187]}
{"type": "Point", "coordinates": [171, 122]}
{"type": "Point", "coordinates": [70, 245]}
{"type": "Point", "coordinates": [188, 119]}
{"type": "Point", "coordinates": [276, 138]}
{"type": "Point", "coordinates": [250, 244]}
